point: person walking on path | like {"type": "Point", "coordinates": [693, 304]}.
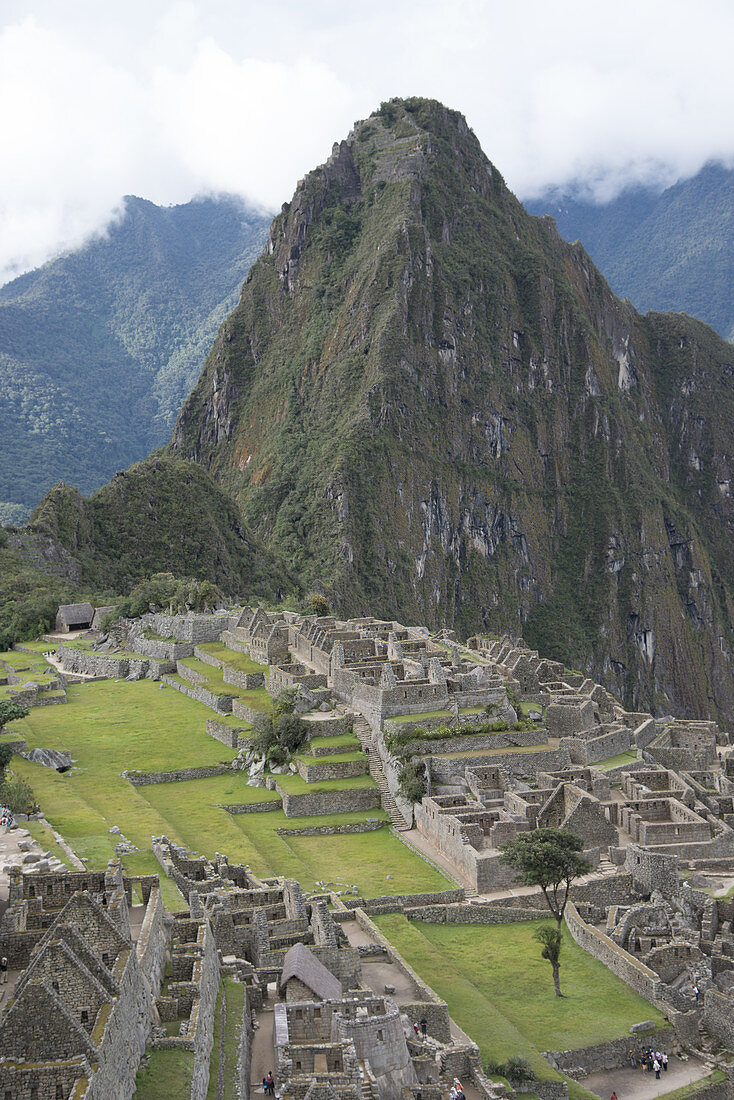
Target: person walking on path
{"type": "Point", "coordinates": [613, 1096]}
{"type": "Point", "coordinates": [656, 1067]}
{"type": "Point", "coordinates": [3, 970]}
{"type": "Point", "coordinates": [424, 1027]}
{"type": "Point", "coordinates": [665, 1063]}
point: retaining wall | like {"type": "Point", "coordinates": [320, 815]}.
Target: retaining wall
{"type": "Point", "coordinates": [145, 779]}
{"type": "Point", "coordinates": [638, 976]}
{"type": "Point", "coordinates": [329, 802]}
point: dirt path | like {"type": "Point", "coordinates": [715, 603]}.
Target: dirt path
{"type": "Point", "coordinates": [633, 1084]}
{"type": "Point", "coordinates": [262, 1046]}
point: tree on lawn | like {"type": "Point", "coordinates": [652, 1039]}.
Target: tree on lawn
{"type": "Point", "coordinates": [550, 938]}
{"type": "Point", "coordinates": [11, 712]}
{"type": "Point", "coordinates": [550, 859]}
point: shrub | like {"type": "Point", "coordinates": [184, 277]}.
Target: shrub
{"type": "Point", "coordinates": [518, 1071]}
{"type": "Point", "coordinates": [277, 756]}
{"type": "Point", "coordinates": [291, 732]}
{"type": "Point", "coordinates": [17, 794]}
{"type": "Point", "coordinates": [412, 782]}
{"type": "Point", "coordinates": [319, 604]}
{"type": "Point", "coordinates": [12, 712]}
{"type": "Point", "coordinates": [285, 703]}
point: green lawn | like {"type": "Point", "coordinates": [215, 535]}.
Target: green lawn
{"type": "Point", "coordinates": [500, 991]}
{"type": "Point", "coordinates": [256, 698]}
{"type": "Point", "coordinates": [109, 727]}
{"type": "Point", "coordinates": [293, 784]}
{"type": "Point", "coordinates": [231, 657]}
{"type": "Point", "coordinates": [616, 761]}
{"type": "Point", "coordinates": [41, 832]}
{"type": "Point", "coordinates": [432, 714]}
{"type": "Point", "coordinates": [344, 740]}
{"type": "Point", "coordinates": [18, 661]}
{"type": "Point", "coordinates": [168, 1073]}
{"type": "Point", "coordinates": [365, 859]}
{"type": "Point", "coordinates": [234, 992]}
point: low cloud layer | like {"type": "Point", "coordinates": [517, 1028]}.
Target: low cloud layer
{"type": "Point", "coordinates": [167, 100]}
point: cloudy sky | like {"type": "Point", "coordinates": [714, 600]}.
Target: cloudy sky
{"type": "Point", "coordinates": [171, 99]}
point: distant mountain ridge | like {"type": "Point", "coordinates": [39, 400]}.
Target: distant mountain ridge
{"type": "Point", "coordinates": [670, 250]}
{"type": "Point", "coordinates": [99, 348]}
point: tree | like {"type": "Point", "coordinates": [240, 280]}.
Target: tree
{"type": "Point", "coordinates": [550, 859]}
{"type": "Point", "coordinates": [6, 753]}
{"type": "Point", "coordinates": [12, 712]}
{"type": "Point", "coordinates": [319, 604]}
{"type": "Point", "coordinates": [550, 938]}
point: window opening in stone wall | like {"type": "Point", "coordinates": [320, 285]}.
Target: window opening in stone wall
{"type": "Point", "coordinates": [84, 1016]}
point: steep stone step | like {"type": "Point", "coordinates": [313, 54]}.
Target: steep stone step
{"type": "Point", "coordinates": [364, 733]}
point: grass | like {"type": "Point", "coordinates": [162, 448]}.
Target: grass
{"type": "Point", "coordinates": [336, 758]}
{"type": "Point", "coordinates": [715, 1078]}
{"type": "Point", "coordinates": [293, 784]}
{"type": "Point", "coordinates": [168, 1073]}
{"type": "Point", "coordinates": [234, 992]}
{"type": "Point", "coordinates": [615, 761]}
{"type": "Point", "coordinates": [469, 966]}
{"type": "Point", "coordinates": [41, 832]}
{"type": "Point", "coordinates": [256, 698]}
{"type": "Point", "coordinates": [432, 714]}
{"type": "Point", "coordinates": [344, 740]}
{"type": "Point", "coordinates": [110, 727]}
{"type": "Point", "coordinates": [231, 657]}
{"type": "Point", "coordinates": [21, 661]}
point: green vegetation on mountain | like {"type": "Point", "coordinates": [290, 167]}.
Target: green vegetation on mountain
{"type": "Point", "coordinates": [428, 400]}
{"type": "Point", "coordinates": [99, 347]}
{"type": "Point", "coordinates": [669, 250]}
{"type": "Point", "coordinates": [163, 514]}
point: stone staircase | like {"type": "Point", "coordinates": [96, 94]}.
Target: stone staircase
{"type": "Point", "coordinates": [364, 733]}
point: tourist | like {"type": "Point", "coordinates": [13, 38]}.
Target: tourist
{"type": "Point", "coordinates": [613, 1096]}
{"type": "Point", "coordinates": [665, 1062]}
{"type": "Point", "coordinates": [696, 991]}
{"type": "Point", "coordinates": [270, 1080]}
{"type": "Point", "coordinates": [3, 970]}
{"type": "Point", "coordinates": [656, 1067]}
{"type": "Point", "coordinates": [458, 1086]}
{"type": "Point", "coordinates": [424, 1027]}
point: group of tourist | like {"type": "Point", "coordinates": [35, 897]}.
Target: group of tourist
{"type": "Point", "coordinates": [457, 1090]}
{"type": "Point", "coordinates": [269, 1084]}
{"type": "Point", "coordinates": [650, 1061]}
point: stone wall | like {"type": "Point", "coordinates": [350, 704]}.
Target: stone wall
{"type": "Point", "coordinates": [329, 802]}
{"type": "Point", "coordinates": [146, 779]}
{"type": "Point", "coordinates": [109, 667]}
{"type": "Point", "coordinates": [590, 750]}
{"type": "Point", "coordinates": [443, 770]}
{"type": "Point", "coordinates": [152, 943]}
{"type": "Point", "coordinates": [204, 1025]}
{"type": "Point", "coordinates": [638, 976]}
{"type": "Point", "coordinates": [228, 735]}
{"type": "Point", "coordinates": [471, 743]}
{"type": "Point", "coordinates": [245, 680]}
{"type": "Point", "coordinates": [220, 703]}
{"type": "Point", "coordinates": [315, 769]}
{"type": "Point", "coordinates": [471, 914]}
{"type": "Point", "coordinates": [426, 1005]}
{"type": "Point", "coordinates": [610, 1055]}
{"type": "Point", "coordinates": [255, 718]}
{"type": "Point", "coordinates": [369, 826]}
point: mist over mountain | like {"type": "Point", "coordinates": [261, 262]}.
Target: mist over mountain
{"type": "Point", "coordinates": [99, 348]}
{"type": "Point", "coordinates": [669, 250]}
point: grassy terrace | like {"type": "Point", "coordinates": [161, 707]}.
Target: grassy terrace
{"type": "Point", "coordinates": [431, 714]}
{"type": "Point", "coordinates": [224, 1048]}
{"type": "Point", "coordinates": [110, 727]}
{"type": "Point", "coordinates": [256, 698]}
{"type": "Point", "coordinates": [293, 784]}
{"type": "Point", "coordinates": [231, 657]}
{"type": "Point", "coordinates": [167, 1073]}
{"type": "Point", "coordinates": [347, 741]}
{"type": "Point", "coordinates": [616, 761]}
{"type": "Point", "coordinates": [469, 966]}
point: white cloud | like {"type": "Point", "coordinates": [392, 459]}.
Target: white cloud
{"type": "Point", "coordinates": [168, 99]}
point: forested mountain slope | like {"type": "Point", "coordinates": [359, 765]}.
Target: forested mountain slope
{"type": "Point", "coordinates": [665, 251]}
{"type": "Point", "coordinates": [99, 348]}
{"type": "Point", "coordinates": [437, 409]}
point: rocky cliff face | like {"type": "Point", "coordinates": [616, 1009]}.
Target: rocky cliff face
{"type": "Point", "coordinates": [437, 409]}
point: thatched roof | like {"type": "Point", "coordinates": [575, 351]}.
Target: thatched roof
{"type": "Point", "coordinates": [301, 963]}
{"type": "Point", "coordinates": [75, 613]}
